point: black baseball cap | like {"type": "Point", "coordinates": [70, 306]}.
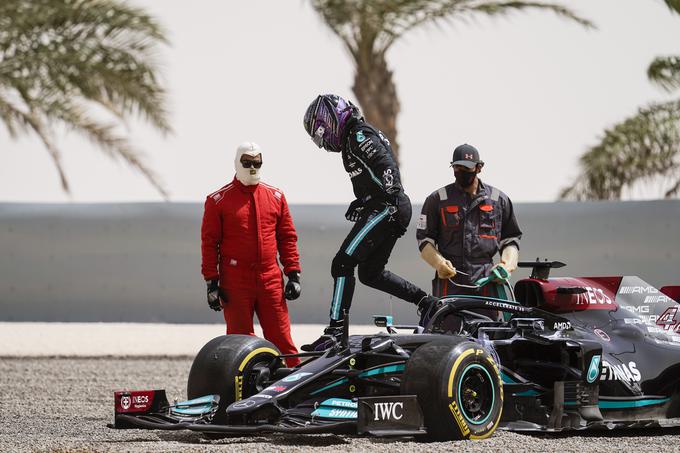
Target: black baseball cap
{"type": "Point", "coordinates": [466, 155]}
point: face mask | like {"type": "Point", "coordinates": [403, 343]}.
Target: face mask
{"type": "Point", "coordinates": [247, 176]}
{"type": "Point", "coordinates": [465, 178]}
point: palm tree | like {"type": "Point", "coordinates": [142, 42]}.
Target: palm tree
{"type": "Point", "coordinates": [643, 147]}
{"type": "Point", "coordinates": [369, 28]}
{"type": "Point", "coordinates": [63, 60]}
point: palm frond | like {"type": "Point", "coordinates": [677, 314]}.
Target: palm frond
{"type": "Point", "coordinates": [665, 72]}
{"type": "Point", "coordinates": [643, 147]}
{"type": "Point", "coordinates": [55, 54]}
{"type": "Point", "coordinates": [673, 5]}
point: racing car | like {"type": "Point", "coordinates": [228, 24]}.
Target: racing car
{"type": "Point", "coordinates": [569, 354]}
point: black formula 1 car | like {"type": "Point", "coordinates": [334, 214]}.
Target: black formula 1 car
{"type": "Point", "coordinates": [572, 353]}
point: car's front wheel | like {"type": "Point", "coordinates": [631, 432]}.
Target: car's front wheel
{"type": "Point", "coordinates": [459, 388]}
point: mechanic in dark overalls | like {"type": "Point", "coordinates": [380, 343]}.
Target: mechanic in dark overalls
{"type": "Point", "coordinates": [463, 226]}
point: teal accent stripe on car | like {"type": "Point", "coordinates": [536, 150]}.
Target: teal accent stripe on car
{"type": "Point", "coordinates": [383, 370]}
{"type": "Point", "coordinates": [507, 379]}
{"type": "Point", "coordinates": [364, 231]}
{"type": "Point", "coordinates": [330, 386]}
{"type": "Point", "coordinates": [193, 410]}
{"type": "Point", "coordinates": [618, 404]}
{"type": "Point", "coordinates": [373, 372]}
{"type": "Point", "coordinates": [337, 298]}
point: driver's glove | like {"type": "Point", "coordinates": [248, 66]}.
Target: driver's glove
{"type": "Point", "coordinates": [214, 295]}
{"type": "Point", "coordinates": [355, 209]}
{"type": "Point", "coordinates": [293, 287]}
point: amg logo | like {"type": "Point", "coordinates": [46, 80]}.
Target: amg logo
{"type": "Point", "coordinates": [638, 290]}
{"type": "Point", "coordinates": [393, 410]}
{"type": "Point", "coordinates": [660, 299]}
{"type": "Point", "coordinates": [640, 309]}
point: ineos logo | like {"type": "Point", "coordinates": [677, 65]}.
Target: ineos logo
{"type": "Point", "coordinates": [388, 411]}
{"type": "Point", "coordinates": [125, 402]}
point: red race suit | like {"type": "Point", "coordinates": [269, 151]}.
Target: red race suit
{"type": "Point", "coordinates": [243, 230]}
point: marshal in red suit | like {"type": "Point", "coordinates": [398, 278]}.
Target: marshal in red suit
{"type": "Point", "coordinates": [246, 226]}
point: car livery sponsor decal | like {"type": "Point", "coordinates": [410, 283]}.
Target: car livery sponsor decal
{"type": "Point", "coordinates": [602, 334]}
{"type": "Point", "coordinates": [388, 411]}
{"type": "Point", "coordinates": [275, 388]}
{"type": "Point", "coordinates": [621, 372]}
{"type": "Point", "coordinates": [464, 428]}
{"type": "Point", "coordinates": [562, 325]}
{"type": "Point", "coordinates": [334, 413]}
{"type": "Point", "coordinates": [134, 401]}
{"type": "Point", "coordinates": [638, 290]}
{"type": "Point", "coordinates": [594, 369]}
{"type": "Point", "coordinates": [295, 377]}
{"type": "Point", "coordinates": [593, 296]}
{"type": "Point", "coordinates": [243, 404]}
{"type": "Point", "coordinates": [506, 306]}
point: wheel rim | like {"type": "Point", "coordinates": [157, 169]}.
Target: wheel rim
{"type": "Point", "coordinates": [256, 375]}
{"type": "Point", "coordinates": [476, 393]}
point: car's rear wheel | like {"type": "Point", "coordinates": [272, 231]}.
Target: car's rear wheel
{"type": "Point", "coordinates": [232, 366]}
{"type": "Point", "coordinates": [459, 388]}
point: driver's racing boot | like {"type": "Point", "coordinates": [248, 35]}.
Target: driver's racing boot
{"type": "Point", "coordinates": [331, 336]}
{"type": "Point", "coordinates": [426, 308]}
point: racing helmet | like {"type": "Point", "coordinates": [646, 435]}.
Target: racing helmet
{"type": "Point", "coordinates": [326, 120]}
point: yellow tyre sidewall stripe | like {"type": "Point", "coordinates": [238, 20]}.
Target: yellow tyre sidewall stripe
{"type": "Point", "coordinates": [238, 379]}
{"type": "Point", "coordinates": [454, 368]}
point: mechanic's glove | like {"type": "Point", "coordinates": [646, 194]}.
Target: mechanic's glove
{"type": "Point", "coordinates": [445, 270]}
{"type": "Point", "coordinates": [293, 287]}
{"type": "Point", "coordinates": [355, 209]}
{"type": "Point", "coordinates": [499, 273]}
{"type": "Point", "coordinates": [443, 266]}
{"type": "Point", "coordinates": [214, 295]}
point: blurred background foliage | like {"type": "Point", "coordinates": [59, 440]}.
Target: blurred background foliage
{"type": "Point", "coordinates": [86, 65]}
{"type": "Point", "coordinates": [644, 148]}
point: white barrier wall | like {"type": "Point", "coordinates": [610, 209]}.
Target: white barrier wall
{"type": "Point", "coordinates": [141, 262]}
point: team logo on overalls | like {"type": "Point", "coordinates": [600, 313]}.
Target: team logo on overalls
{"type": "Point", "coordinates": [360, 137]}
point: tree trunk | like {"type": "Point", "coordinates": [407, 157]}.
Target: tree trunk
{"type": "Point", "coordinates": [377, 95]}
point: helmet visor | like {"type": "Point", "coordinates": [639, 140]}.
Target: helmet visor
{"type": "Point", "coordinates": [317, 138]}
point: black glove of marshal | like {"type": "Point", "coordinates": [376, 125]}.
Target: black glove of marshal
{"type": "Point", "coordinates": [293, 287]}
{"type": "Point", "coordinates": [355, 209]}
{"type": "Point", "coordinates": [214, 295]}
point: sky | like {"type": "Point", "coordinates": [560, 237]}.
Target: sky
{"type": "Point", "coordinates": [531, 91]}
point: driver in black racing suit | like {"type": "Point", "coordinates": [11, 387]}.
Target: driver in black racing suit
{"type": "Point", "coordinates": [381, 211]}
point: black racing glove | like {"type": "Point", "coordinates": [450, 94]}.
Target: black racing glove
{"type": "Point", "coordinates": [293, 287]}
{"type": "Point", "coordinates": [214, 295]}
{"type": "Point", "coordinates": [354, 211]}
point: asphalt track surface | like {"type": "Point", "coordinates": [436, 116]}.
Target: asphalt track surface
{"type": "Point", "coordinates": [63, 405]}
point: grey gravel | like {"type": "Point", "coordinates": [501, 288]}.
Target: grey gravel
{"type": "Point", "coordinates": [63, 405]}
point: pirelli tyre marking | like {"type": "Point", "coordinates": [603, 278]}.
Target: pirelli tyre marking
{"type": "Point", "coordinates": [457, 412]}
{"type": "Point", "coordinates": [238, 379]}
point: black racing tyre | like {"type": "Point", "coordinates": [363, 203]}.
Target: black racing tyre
{"type": "Point", "coordinates": [459, 388]}
{"type": "Point", "coordinates": [224, 366]}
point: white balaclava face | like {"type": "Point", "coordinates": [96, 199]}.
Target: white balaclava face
{"type": "Point", "coordinates": [247, 176]}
